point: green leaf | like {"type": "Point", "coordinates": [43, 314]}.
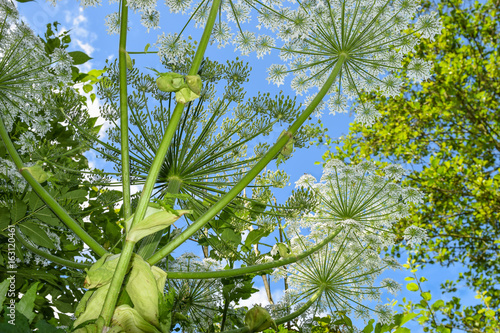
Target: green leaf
{"type": "Point", "coordinates": [4, 286]}
{"type": "Point", "coordinates": [229, 235]}
{"type": "Point", "coordinates": [87, 88]}
{"type": "Point", "coordinates": [21, 324]}
{"type": "Point", "coordinates": [153, 223]}
{"type": "Point", "coordinates": [79, 195]}
{"type": "Point", "coordinates": [96, 72]}
{"type": "Point", "coordinates": [79, 57]}
{"type": "Point", "coordinates": [407, 317]}
{"type": "Point", "coordinates": [426, 295]}
{"type": "Point", "coordinates": [369, 328]}
{"type": "Point", "coordinates": [437, 304]}
{"type": "Point", "coordinates": [489, 313]}
{"type": "Point", "coordinates": [147, 47]}
{"type": "Point", "coordinates": [442, 329]}
{"type": "Point", "coordinates": [18, 211]}
{"type": "Point", "coordinates": [38, 173]}
{"type": "Point", "coordinates": [254, 237]}
{"type": "Point", "coordinates": [34, 201]}
{"type": "Point", "coordinates": [4, 218]}
{"type": "Point", "coordinates": [412, 286]}
{"type": "Point", "coordinates": [46, 215]}
{"type": "Point", "coordinates": [27, 302]}
{"type": "Point", "coordinates": [44, 327]}
{"type": "Point", "coordinates": [36, 234]}
{"type": "Point", "coordinates": [402, 330]}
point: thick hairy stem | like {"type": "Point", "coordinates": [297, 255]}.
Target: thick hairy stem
{"type": "Point", "coordinates": [60, 212]}
{"type": "Point", "coordinates": [48, 256]}
{"type": "Point", "coordinates": [291, 316]}
{"type": "Point", "coordinates": [119, 275]}
{"type": "Point", "coordinates": [116, 283]}
{"type": "Point", "coordinates": [228, 273]}
{"type": "Point", "coordinates": [122, 63]}
{"type": "Point", "coordinates": [240, 186]}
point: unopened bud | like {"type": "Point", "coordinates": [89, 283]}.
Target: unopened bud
{"type": "Point", "coordinates": [258, 319]}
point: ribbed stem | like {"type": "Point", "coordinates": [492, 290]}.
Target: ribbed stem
{"type": "Point", "coordinates": [122, 63]}
{"type": "Point", "coordinates": [227, 273]}
{"type": "Point", "coordinates": [119, 275]}
{"type": "Point", "coordinates": [240, 186]}
{"type": "Point", "coordinates": [116, 283]}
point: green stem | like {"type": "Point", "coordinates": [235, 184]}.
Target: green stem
{"type": "Point", "coordinates": [118, 276]}
{"type": "Point", "coordinates": [174, 120]}
{"type": "Point", "coordinates": [227, 273]}
{"type": "Point", "coordinates": [291, 316]}
{"type": "Point", "coordinates": [53, 258]}
{"type": "Point", "coordinates": [46, 197]}
{"type": "Point", "coordinates": [116, 283]}
{"type": "Point", "coordinates": [122, 58]}
{"type": "Point", "coordinates": [142, 52]}
{"type": "Point", "coordinates": [227, 198]}
{"type": "Point", "coordinates": [149, 244]}
{"type": "Point", "coordinates": [302, 309]}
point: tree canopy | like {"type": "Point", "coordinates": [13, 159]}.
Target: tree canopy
{"type": "Point", "coordinates": [448, 129]}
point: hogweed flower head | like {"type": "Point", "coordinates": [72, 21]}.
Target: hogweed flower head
{"type": "Point", "coordinates": [360, 203]}
{"type": "Point", "coordinates": [368, 37]}
{"type": "Point", "coordinates": [362, 198]}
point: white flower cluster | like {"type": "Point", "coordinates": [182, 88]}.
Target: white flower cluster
{"type": "Point", "coordinates": [192, 263]}
{"type": "Point", "coordinates": [198, 299]}
{"type": "Point", "coordinates": [13, 181]}
{"type": "Point", "coordinates": [372, 36]}
{"type": "Point", "coordinates": [172, 48]}
{"type": "Point", "coordinates": [27, 75]}
{"type": "Point", "coordinates": [360, 202]}
{"type": "Point", "coordinates": [361, 197]}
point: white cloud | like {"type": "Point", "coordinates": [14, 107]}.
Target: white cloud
{"type": "Point", "coordinates": [80, 32]}
{"type": "Point", "coordinates": [86, 47]}
{"type": "Point", "coordinates": [260, 298]}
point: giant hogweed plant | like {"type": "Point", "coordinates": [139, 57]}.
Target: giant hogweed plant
{"type": "Point", "coordinates": [176, 134]}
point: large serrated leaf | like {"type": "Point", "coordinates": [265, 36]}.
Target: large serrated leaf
{"type": "Point", "coordinates": [230, 236]}
{"type": "Point", "coordinates": [18, 210]}
{"type": "Point", "coordinates": [79, 195]}
{"type": "Point", "coordinates": [34, 201]}
{"type": "Point", "coordinates": [36, 234]}
{"type": "Point", "coordinates": [4, 218]}
{"type": "Point", "coordinates": [46, 215]}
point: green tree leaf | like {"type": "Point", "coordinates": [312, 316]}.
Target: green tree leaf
{"type": "Point", "coordinates": [36, 234]}
{"type": "Point", "coordinates": [79, 57]}
{"type": "Point", "coordinates": [412, 286]}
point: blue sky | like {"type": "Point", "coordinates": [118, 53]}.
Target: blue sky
{"type": "Point", "coordinates": [89, 34]}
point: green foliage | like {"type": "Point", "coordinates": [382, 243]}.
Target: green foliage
{"type": "Point", "coordinates": [445, 316]}
{"type": "Point", "coordinates": [448, 127]}
{"type": "Point", "coordinates": [61, 169]}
